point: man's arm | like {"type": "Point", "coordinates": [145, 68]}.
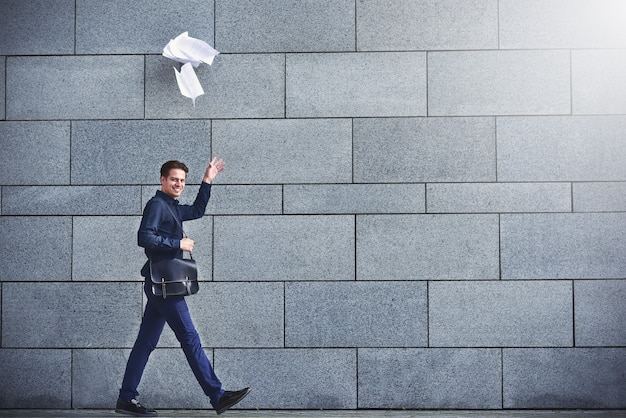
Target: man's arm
{"type": "Point", "coordinates": [148, 235]}
{"type": "Point", "coordinates": [196, 211]}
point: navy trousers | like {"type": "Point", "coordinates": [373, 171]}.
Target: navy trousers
{"type": "Point", "coordinates": [175, 313]}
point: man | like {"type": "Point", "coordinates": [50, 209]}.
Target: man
{"type": "Point", "coordinates": [162, 237]}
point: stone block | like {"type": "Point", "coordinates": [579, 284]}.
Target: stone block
{"type": "Point", "coordinates": [299, 378]}
{"type": "Point", "coordinates": [354, 198]}
{"type": "Point", "coordinates": [563, 246]}
{"type": "Point", "coordinates": [245, 200]}
{"type": "Point", "coordinates": [39, 248]}
{"type": "Point", "coordinates": [424, 150]}
{"type": "Point", "coordinates": [39, 153]}
{"type": "Point", "coordinates": [356, 314]}
{"type": "Point", "coordinates": [600, 312]}
{"type": "Point", "coordinates": [70, 315]}
{"type": "Point", "coordinates": [110, 256]}
{"type": "Point", "coordinates": [37, 27]}
{"type": "Point", "coordinates": [140, 26]}
{"type": "Point", "coordinates": [132, 152]}
{"type": "Point", "coordinates": [72, 200]}
{"type": "Point", "coordinates": [498, 83]}
{"type": "Point", "coordinates": [97, 376]}
{"type": "Point", "coordinates": [340, 85]}
{"type": "Point", "coordinates": [434, 378]}
{"type": "Point", "coordinates": [568, 148]}
{"type": "Point", "coordinates": [36, 86]}
{"type": "Point", "coordinates": [239, 314]}
{"type": "Point", "coordinates": [284, 248]}
{"type": "Point", "coordinates": [498, 313]}
{"type": "Point", "coordinates": [599, 197]}
{"type": "Point", "coordinates": [285, 26]}
{"type": "Point", "coordinates": [564, 378]}
{"type": "Point", "coordinates": [284, 151]}
{"type": "Point", "coordinates": [498, 197]}
{"type": "Point", "coordinates": [236, 86]}
{"type": "Point", "coordinates": [426, 25]}
{"type": "Point", "coordinates": [566, 24]}
{"type": "Point", "coordinates": [597, 81]}
{"type": "Point", "coordinates": [34, 378]}
{"type": "Point", "coordinates": [427, 247]}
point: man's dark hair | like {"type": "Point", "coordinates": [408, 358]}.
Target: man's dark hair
{"type": "Point", "coordinates": [165, 168]}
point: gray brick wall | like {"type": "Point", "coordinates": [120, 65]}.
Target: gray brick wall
{"type": "Point", "coordinates": [424, 204]}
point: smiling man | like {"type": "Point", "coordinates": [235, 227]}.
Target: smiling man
{"type": "Point", "coordinates": [161, 235]}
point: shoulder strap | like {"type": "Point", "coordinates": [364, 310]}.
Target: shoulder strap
{"type": "Point", "coordinates": [176, 219]}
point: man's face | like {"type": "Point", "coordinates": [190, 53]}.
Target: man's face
{"type": "Point", "coordinates": [174, 183]}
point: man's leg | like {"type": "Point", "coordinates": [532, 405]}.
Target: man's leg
{"type": "Point", "coordinates": [177, 316]}
{"type": "Point", "coordinates": [147, 339]}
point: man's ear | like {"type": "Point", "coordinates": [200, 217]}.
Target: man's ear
{"type": "Point", "coordinates": [163, 179]}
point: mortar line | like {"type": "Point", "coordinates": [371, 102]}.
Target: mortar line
{"type": "Point", "coordinates": [356, 36]}
{"type": "Point", "coordinates": [427, 313]}
{"type": "Point", "coordinates": [573, 313]}
{"type": "Point", "coordinates": [502, 377]}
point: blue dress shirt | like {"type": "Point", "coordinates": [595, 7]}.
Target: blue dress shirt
{"type": "Point", "coordinates": [159, 233]}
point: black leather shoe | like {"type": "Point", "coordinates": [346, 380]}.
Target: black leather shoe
{"type": "Point", "coordinates": [134, 408]}
{"type": "Point", "coordinates": [230, 399]}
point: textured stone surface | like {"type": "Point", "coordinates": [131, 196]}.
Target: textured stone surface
{"type": "Point", "coordinates": [108, 365]}
{"type": "Point", "coordinates": [427, 247]}
{"type": "Point", "coordinates": [561, 148]}
{"type": "Point", "coordinates": [429, 378]}
{"type": "Point", "coordinates": [424, 150]}
{"type": "Point", "coordinates": [284, 248]}
{"type": "Point", "coordinates": [498, 83]}
{"type": "Point", "coordinates": [140, 26]}
{"type": "Point", "coordinates": [239, 314]}
{"type": "Point", "coordinates": [340, 85]}
{"type": "Point", "coordinates": [36, 86]}
{"type": "Point", "coordinates": [118, 256]}
{"type": "Point", "coordinates": [25, 258]}
{"type": "Point", "coordinates": [132, 152]}
{"type": "Point", "coordinates": [284, 151]}
{"type": "Point", "coordinates": [561, 24]}
{"type": "Point", "coordinates": [284, 25]}
{"type": "Point", "coordinates": [37, 27]}
{"type": "Point", "coordinates": [390, 314]}
{"type": "Point", "coordinates": [354, 198]}
{"type": "Point", "coordinates": [299, 378]}
{"type": "Point", "coordinates": [597, 81]}
{"type": "Point", "coordinates": [599, 197]}
{"type": "Point", "coordinates": [235, 86]}
{"type": "Point", "coordinates": [600, 312]}
{"type": "Point", "coordinates": [35, 153]}
{"type": "Point", "coordinates": [70, 315]}
{"type": "Point", "coordinates": [72, 200]}
{"type": "Point", "coordinates": [426, 25]}
{"type": "Point", "coordinates": [498, 197]}
{"type": "Point", "coordinates": [25, 381]}
{"type": "Point", "coordinates": [563, 246]}
{"type": "Point", "coordinates": [500, 314]}
{"type": "Point", "coordinates": [564, 378]}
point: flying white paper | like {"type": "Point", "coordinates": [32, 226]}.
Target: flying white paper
{"type": "Point", "coordinates": [188, 82]}
{"type": "Point", "coordinates": [191, 52]}
{"type": "Point", "coordinates": [186, 49]}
